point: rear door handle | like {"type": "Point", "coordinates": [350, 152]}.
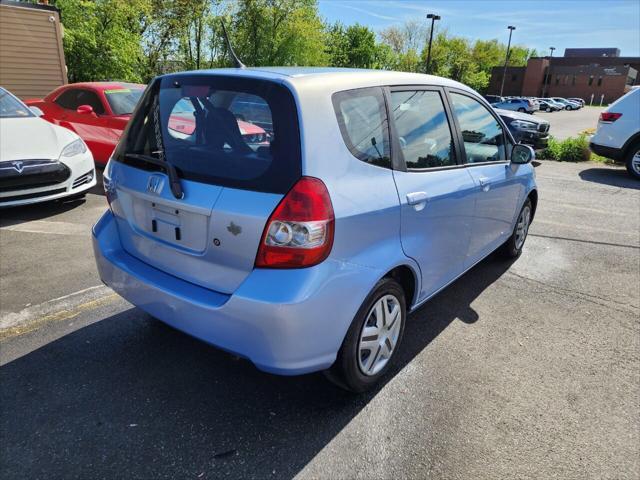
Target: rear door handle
{"type": "Point", "coordinates": [417, 199]}
{"type": "Point", "coordinates": [484, 183]}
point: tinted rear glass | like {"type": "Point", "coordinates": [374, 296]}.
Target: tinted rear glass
{"type": "Point", "coordinates": [234, 132]}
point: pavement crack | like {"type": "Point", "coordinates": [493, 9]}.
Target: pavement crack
{"type": "Point", "coordinates": [589, 297]}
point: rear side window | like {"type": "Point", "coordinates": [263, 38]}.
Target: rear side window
{"type": "Point", "coordinates": [234, 132]}
{"type": "Point", "coordinates": [363, 123]}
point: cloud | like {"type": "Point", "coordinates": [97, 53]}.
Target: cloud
{"type": "Point", "coordinates": [368, 12]}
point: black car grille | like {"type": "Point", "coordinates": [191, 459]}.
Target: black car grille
{"type": "Point", "coordinates": [31, 195]}
{"type": "Point", "coordinates": [24, 174]}
{"type": "Point", "coordinates": [543, 127]}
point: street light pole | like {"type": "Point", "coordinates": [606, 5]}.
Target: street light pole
{"type": "Point", "coordinates": [506, 60]}
{"type": "Point", "coordinates": [546, 78]}
{"type": "Point", "coordinates": [433, 18]}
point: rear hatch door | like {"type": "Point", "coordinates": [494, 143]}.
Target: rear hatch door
{"type": "Point", "coordinates": [233, 173]}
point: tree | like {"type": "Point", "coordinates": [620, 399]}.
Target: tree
{"type": "Point", "coordinates": [279, 32]}
{"type": "Point", "coordinates": [102, 38]}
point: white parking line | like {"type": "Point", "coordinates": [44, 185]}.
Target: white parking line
{"type": "Point", "coordinates": [51, 228]}
{"type": "Point", "coordinates": [58, 309]}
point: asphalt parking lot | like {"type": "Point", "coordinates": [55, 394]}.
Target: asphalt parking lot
{"type": "Point", "coordinates": [525, 369]}
{"type": "Point", "coordinates": [565, 124]}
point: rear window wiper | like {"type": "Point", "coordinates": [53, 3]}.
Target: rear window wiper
{"type": "Point", "coordinates": [174, 180]}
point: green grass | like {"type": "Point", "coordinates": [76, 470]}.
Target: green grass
{"type": "Point", "coordinates": [575, 149]}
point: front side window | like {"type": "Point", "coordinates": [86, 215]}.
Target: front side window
{"type": "Point", "coordinates": [363, 123]}
{"type": "Point", "coordinates": [481, 132]}
{"type": "Point", "coordinates": [11, 107]}
{"type": "Point", "coordinates": [73, 98]}
{"type": "Point", "coordinates": [232, 132]}
{"type": "Point", "coordinates": [423, 129]}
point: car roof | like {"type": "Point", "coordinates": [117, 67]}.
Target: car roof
{"type": "Point", "coordinates": [104, 85]}
{"type": "Point", "coordinates": [329, 78]}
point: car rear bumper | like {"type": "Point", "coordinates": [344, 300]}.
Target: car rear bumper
{"type": "Point", "coordinates": [286, 322]}
{"type": "Point", "coordinates": [605, 151]}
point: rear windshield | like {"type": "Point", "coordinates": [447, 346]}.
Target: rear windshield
{"type": "Point", "coordinates": [234, 132]}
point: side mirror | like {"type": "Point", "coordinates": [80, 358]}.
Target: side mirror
{"type": "Point", "coordinates": [522, 154]}
{"type": "Point", "coordinates": [36, 111]}
{"type": "Point", "coordinates": [84, 109]}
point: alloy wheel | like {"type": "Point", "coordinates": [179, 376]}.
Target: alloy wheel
{"type": "Point", "coordinates": [635, 163]}
{"type": "Point", "coordinates": [522, 227]}
{"type": "Point", "coordinates": [379, 335]}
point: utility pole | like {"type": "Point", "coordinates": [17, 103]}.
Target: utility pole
{"type": "Point", "coordinates": [546, 78]}
{"type": "Point", "coordinates": [506, 60]}
{"type": "Point", "coordinates": [433, 18]}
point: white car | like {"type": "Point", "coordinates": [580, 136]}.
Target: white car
{"type": "Point", "coordinates": [39, 161]}
{"type": "Point", "coordinates": [618, 134]}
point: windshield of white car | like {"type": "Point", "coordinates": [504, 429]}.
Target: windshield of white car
{"type": "Point", "coordinates": [123, 100]}
{"type": "Point", "coordinates": [11, 107]}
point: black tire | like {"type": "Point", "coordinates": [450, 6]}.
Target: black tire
{"type": "Point", "coordinates": [346, 371]}
{"type": "Point", "coordinates": [512, 248]}
{"type": "Point", "coordinates": [631, 152]}
{"type": "Point", "coordinates": [548, 109]}
{"type": "Point", "coordinates": [521, 109]}
{"type": "Point", "coordinates": [568, 107]}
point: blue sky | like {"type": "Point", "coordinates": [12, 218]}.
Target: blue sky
{"type": "Point", "coordinates": [539, 24]}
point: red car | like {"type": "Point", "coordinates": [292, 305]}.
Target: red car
{"type": "Point", "coordinates": [97, 111]}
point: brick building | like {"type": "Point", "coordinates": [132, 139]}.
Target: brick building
{"type": "Point", "coordinates": [582, 72]}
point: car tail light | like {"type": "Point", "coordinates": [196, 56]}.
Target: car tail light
{"type": "Point", "coordinates": [609, 116]}
{"type": "Point", "coordinates": [299, 232]}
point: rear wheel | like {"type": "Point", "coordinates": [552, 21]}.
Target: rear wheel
{"type": "Point", "coordinates": [633, 161]}
{"type": "Point", "coordinates": [513, 247]}
{"type": "Point", "coordinates": [521, 109]}
{"type": "Point", "coordinates": [372, 339]}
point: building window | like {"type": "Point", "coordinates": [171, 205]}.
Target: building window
{"type": "Point", "coordinates": [573, 81]}
{"type": "Point", "coordinates": [514, 77]}
{"type": "Point", "coordinates": [590, 80]}
{"type": "Point", "coordinates": [557, 79]}
{"type": "Point", "coordinates": [599, 81]}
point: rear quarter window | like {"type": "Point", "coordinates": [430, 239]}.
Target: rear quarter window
{"type": "Point", "coordinates": [362, 118]}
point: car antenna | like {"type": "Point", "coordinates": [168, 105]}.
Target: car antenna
{"type": "Point", "coordinates": [236, 61]}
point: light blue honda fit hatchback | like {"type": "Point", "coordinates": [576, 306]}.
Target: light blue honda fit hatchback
{"type": "Point", "coordinates": [295, 216]}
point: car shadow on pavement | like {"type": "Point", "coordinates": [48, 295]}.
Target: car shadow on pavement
{"type": "Point", "coordinates": [128, 397]}
{"type": "Point", "coordinates": [610, 176]}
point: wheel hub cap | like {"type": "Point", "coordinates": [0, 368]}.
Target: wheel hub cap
{"type": "Point", "coordinates": [379, 335]}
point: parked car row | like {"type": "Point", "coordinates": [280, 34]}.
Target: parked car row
{"type": "Point", "coordinates": [532, 104]}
